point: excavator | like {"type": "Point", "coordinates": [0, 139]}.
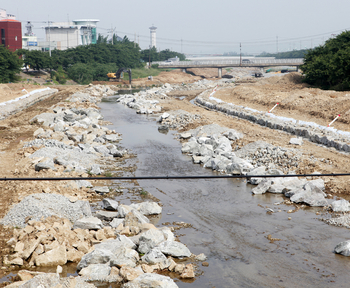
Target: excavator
{"type": "Point", "coordinates": [118, 76]}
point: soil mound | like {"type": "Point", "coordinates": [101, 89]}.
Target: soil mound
{"type": "Point", "coordinates": [293, 78]}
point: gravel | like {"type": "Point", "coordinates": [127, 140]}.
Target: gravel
{"type": "Point", "coordinates": [44, 205]}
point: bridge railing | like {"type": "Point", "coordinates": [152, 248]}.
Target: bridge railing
{"type": "Point", "coordinates": [233, 62]}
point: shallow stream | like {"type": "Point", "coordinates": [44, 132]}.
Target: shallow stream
{"type": "Point", "coordinates": [245, 245]}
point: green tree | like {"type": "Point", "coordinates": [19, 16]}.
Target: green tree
{"type": "Point", "coordinates": [35, 59]}
{"type": "Point", "coordinates": [81, 73]}
{"type": "Point", "coordinates": [10, 65]}
{"type": "Point", "coordinates": [328, 66]}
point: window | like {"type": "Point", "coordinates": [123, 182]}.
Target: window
{"type": "Point", "coordinates": [3, 42]}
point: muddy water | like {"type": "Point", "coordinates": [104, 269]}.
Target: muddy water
{"type": "Point", "coordinates": [246, 246]}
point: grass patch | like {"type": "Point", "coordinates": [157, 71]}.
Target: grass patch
{"type": "Point", "coordinates": [142, 73]}
{"type": "Point", "coordinates": [108, 174]}
{"type": "Point", "coordinates": [143, 192]}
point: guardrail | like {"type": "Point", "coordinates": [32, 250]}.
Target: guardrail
{"type": "Point", "coordinates": [294, 61]}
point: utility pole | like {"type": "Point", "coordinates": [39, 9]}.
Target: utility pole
{"type": "Point", "coordinates": [149, 57]}
{"type": "Point", "coordinates": [112, 33]}
{"type": "Point", "coordinates": [49, 39]}
{"type": "Point", "coordinates": [240, 54]}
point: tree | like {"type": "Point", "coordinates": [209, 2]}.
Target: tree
{"type": "Point", "coordinates": [35, 59]}
{"type": "Point", "coordinates": [81, 73]}
{"type": "Point", "coordinates": [10, 65]}
{"type": "Point", "coordinates": [101, 39]}
{"type": "Point", "coordinates": [328, 66]}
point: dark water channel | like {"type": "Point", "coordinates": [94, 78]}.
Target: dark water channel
{"type": "Point", "coordinates": [230, 224]}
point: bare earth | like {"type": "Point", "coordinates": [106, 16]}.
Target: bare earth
{"type": "Point", "coordinates": [296, 101]}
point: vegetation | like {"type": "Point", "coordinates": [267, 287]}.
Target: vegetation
{"type": "Point", "coordinates": [283, 55]}
{"type": "Point", "coordinates": [153, 55]}
{"type": "Point", "coordinates": [10, 65]}
{"type": "Point", "coordinates": [84, 64]}
{"type": "Point", "coordinates": [328, 66]}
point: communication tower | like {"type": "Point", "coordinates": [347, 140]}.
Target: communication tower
{"type": "Point", "coordinates": [153, 36]}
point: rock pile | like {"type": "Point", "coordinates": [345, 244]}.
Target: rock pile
{"type": "Point", "coordinates": [257, 158]}
{"type": "Point", "coordinates": [100, 244]}
{"type": "Point", "coordinates": [72, 137]}
{"type": "Point", "coordinates": [178, 119]}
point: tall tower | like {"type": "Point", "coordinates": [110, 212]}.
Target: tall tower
{"type": "Point", "coordinates": [153, 36]}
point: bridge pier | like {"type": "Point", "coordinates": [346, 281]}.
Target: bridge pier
{"type": "Point", "coordinates": [219, 72]}
{"type": "Point", "coordinates": [184, 70]}
{"type": "Point", "coordinates": [297, 68]}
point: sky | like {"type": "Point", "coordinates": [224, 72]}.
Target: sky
{"type": "Point", "coordinates": [199, 26]}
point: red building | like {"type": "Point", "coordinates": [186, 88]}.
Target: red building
{"type": "Point", "coordinates": [11, 34]}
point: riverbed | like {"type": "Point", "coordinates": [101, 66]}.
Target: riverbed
{"type": "Point", "coordinates": [246, 246]}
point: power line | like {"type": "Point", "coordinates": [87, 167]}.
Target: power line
{"type": "Point", "coordinates": [175, 177]}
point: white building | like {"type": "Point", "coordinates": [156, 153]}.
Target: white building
{"type": "Point", "coordinates": [71, 34]}
{"type": "Point", "coordinates": [29, 40]}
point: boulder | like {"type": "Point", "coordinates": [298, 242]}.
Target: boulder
{"type": "Point", "coordinates": [125, 257]}
{"type": "Point", "coordinates": [314, 197]}
{"type": "Point", "coordinates": [343, 248]}
{"type": "Point", "coordinates": [107, 215]}
{"type": "Point", "coordinates": [147, 208]}
{"type": "Point", "coordinates": [188, 272]}
{"type": "Point", "coordinates": [95, 272]}
{"type": "Point", "coordinates": [135, 218]}
{"type": "Point", "coordinates": [296, 141]}
{"type": "Point", "coordinates": [154, 256]}
{"type": "Point", "coordinates": [91, 223]}
{"type": "Point", "coordinates": [150, 239]}
{"type": "Point", "coordinates": [116, 222]}
{"type": "Point", "coordinates": [110, 204]}
{"type": "Point", "coordinates": [101, 189]}
{"type": "Point", "coordinates": [98, 256]}
{"type": "Point", "coordinates": [190, 147]}
{"type": "Point", "coordinates": [341, 206]}
{"type": "Point", "coordinates": [123, 210]}
{"type": "Point", "coordinates": [45, 166]}
{"type": "Point", "coordinates": [174, 248]}
{"type": "Point", "coordinates": [150, 280]}
{"type": "Point", "coordinates": [262, 187]}
{"type": "Point", "coordinates": [239, 166]}
{"type": "Point", "coordinates": [54, 257]}
{"type": "Point", "coordinates": [129, 273]}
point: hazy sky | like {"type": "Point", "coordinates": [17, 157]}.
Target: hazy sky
{"type": "Point", "coordinates": [214, 26]}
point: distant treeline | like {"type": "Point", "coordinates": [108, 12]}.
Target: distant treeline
{"type": "Point", "coordinates": [87, 63]}
{"type": "Point", "coordinates": [283, 55]}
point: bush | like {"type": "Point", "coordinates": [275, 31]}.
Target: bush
{"type": "Point", "coordinates": [328, 66]}
{"type": "Point", "coordinates": [10, 65]}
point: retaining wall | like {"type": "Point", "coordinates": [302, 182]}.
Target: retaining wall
{"type": "Point", "coordinates": [16, 105]}
{"type": "Point", "coordinates": [313, 132]}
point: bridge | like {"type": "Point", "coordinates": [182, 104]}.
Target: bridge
{"type": "Point", "coordinates": [256, 62]}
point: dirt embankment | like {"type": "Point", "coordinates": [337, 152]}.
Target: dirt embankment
{"type": "Point", "coordinates": [296, 100]}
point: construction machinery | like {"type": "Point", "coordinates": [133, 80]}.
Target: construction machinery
{"type": "Point", "coordinates": [118, 76]}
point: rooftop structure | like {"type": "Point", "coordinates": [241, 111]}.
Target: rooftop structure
{"type": "Point", "coordinates": [4, 15]}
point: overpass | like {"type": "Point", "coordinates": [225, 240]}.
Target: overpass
{"type": "Point", "coordinates": [219, 64]}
